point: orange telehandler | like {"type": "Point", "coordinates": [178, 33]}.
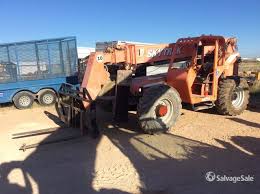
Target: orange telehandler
{"type": "Point", "coordinates": [203, 72]}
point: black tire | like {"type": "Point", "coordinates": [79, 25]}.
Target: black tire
{"type": "Point", "coordinates": [23, 100]}
{"type": "Point", "coordinates": [153, 98]}
{"type": "Point", "coordinates": [233, 96]}
{"type": "Point", "coordinates": [47, 97]}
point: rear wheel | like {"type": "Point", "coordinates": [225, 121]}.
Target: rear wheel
{"type": "Point", "coordinates": [158, 108]}
{"type": "Point", "coordinates": [23, 100]}
{"type": "Point", "coordinates": [46, 97]}
{"type": "Point", "coordinates": [232, 97]}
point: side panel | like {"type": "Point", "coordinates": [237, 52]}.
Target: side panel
{"type": "Point", "coordinates": [7, 91]}
{"type": "Point", "coordinates": [182, 80]}
{"type": "Point", "coordinates": [37, 60]}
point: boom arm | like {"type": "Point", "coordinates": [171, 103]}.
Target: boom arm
{"type": "Point", "coordinates": [128, 55]}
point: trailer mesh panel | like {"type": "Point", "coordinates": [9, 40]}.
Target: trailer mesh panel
{"type": "Point", "coordinates": [41, 59]}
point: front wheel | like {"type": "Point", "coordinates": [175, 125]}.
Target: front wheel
{"type": "Point", "coordinates": [159, 108]}
{"type": "Point", "coordinates": [232, 97]}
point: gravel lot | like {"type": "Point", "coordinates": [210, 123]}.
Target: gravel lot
{"type": "Point", "coordinates": [123, 160]}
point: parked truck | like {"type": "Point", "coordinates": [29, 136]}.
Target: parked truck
{"type": "Point", "coordinates": [35, 70]}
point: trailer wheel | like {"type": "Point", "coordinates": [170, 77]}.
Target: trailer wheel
{"type": "Point", "coordinates": [46, 97]}
{"type": "Point", "coordinates": [232, 97]}
{"type": "Point", "coordinates": [23, 100]}
{"type": "Point", "coordinates": [158, 108]}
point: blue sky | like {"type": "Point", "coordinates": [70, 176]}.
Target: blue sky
{"type": "Point", "coordinates": [158, 21]}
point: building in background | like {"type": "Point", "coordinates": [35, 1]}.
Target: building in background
{"type": "Point", "coordinates": [84, 51]}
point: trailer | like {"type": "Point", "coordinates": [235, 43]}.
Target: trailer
{"type": "Point", "coordinates": [35, 70]}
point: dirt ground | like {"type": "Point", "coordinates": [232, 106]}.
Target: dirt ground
{"type": "Point", "coordinates": [123, 160]}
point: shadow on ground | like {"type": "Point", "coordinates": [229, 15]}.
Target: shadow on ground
{"type": "Point", "coordinates": [245, 122]}
{"type": "Point", "coordinates": [165, 163]}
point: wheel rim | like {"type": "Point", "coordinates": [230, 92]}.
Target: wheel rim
{"type": "Point", "coordinates": [238, 97]}
{"type": "Point", "coordinates": [47, 98]}
{"type": "Point", "coordinates": [24, 101]}
{"type": "Point", "coordinates": [161, 110]}
{"type": "Point", "coordinates": [164, 110]}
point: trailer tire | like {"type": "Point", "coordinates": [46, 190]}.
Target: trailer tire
{"type": "Point", "coordinates": [23, 100]}
{"type": "Point", "coordinates": [233, 96]}
{"type": "Point", "coordinates": [47, 97]}
{"type": "Point", "coordinates": [158, 109]}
